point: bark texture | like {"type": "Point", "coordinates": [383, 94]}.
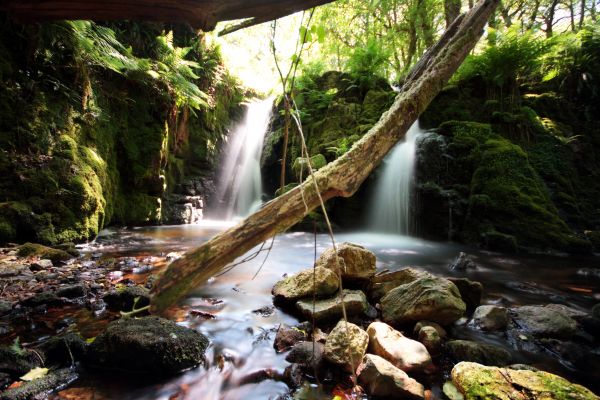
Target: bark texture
{"type": "Point", "coordinates": [339, 178]}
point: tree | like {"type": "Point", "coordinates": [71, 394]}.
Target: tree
{"type": "Point", "coordinates": [339, 178]}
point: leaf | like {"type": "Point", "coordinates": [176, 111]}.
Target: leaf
{"type": "Point", "coordinates": [90, 340]}
{"type": "Point", "coordinates": [321, 34]}
{"type": "Point", "coordinates": [34, 374]}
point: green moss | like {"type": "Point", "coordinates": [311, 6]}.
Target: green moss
{"type": "Point", "coordinates": [7, 232]}
{"type": "Point", "coordinates": [38, 250]}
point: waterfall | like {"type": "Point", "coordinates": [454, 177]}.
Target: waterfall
{"type": "Point", "coordinates": [391, 205]}
{"type": "Point", "coordinates": [239, 189]}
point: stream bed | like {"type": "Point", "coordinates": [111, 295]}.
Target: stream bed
{"type": "Point", "coordinates": [245, 321]}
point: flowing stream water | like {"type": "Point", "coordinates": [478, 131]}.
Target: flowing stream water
{"type": "Point", "coordinates": [242, 333]}
{"type": "Point", "coordinates": [239, 192]}
{"type": "Point", "coordinates": [391, 205]}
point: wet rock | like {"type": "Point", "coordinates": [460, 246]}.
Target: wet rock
{"type": "Point", "coordinates": [522, 367]}
{"type": "Point", "coordinates": [149, 345]}
{"type": "Point", "coordinates": [382, 284]}
{"type": "Point", "coordinates": [306, 354]}
{"type": "Point", "coordinates": [125, 298]}
{"type": "Point", "coordinates": [490, 318]}
{"type": "Point", "coordinates": [346, 345]}
{"type": "Point", "coordinates": [470, 291]}
{"type": "Point", "coordinates": [593, 273]}
{"type": "Point", "coordinates": [354, 301]}
{"type": "Point", "coordinates": [421, 324]}
{"type": "Point", "coordinates": [430, 298]}
{"type": "Point", "coordinates": [382, 379]}
{"type": "Point", "coordinates": [320, 280]}
{"type": "Point", "coordinates": [568, 311]}
{"type": "Point", "coordinates": [48, 299]}
{"type": "Point", "coordinates": [452, 391]}
{"type": "Point", "coordinates": [486, 354]}
{"type": "Point", "coordinates": [541, 321]}
{"type": "Point", "coordinates": [287, 337]}
{"type": "Point", "coordinates": [431, 339]}
{"type": "Point", "coordinates": [463, 262]}
{"type": "Point", "coordinates": [356, 262]}
{"type": "Point", "coordinates": [5, 307]}
{"type": "Point", "coordinates": [71, 291]}
{"type": "Point", "coordinates": [64, 350]}
{"type": "Point", "coordinates": [478, 382]}
{"type": "Point", "coordinates": [570, 352]}
{"type": "Point", "coordinates": [11, 270]}
{"type": "Point", "coordinates": [41, 265]}
{"type": "Point", "coordinates": [404, 353]}
{"type": "Point", "coordinates": [54, 381]}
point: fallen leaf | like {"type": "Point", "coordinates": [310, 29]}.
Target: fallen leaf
{"type": "Point", "coordinates": [34, 374]}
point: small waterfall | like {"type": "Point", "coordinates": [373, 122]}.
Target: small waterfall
{"type": "Point", "coordinates": [391, 205]}
{"type": "Point", "coordinates": [239, 189]}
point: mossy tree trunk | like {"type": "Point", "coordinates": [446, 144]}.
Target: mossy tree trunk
{"type": "Point", "coordinates": [342, 177]}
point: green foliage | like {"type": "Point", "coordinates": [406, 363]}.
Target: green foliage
{"type": "Point", "coordinates": [365, 62]}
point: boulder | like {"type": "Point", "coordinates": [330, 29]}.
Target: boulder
{"type": "Point", "coordinates": [148, 345]}
{"type": "Point", "coordinates": [463, 262]}
{"type": "Point", "coordinates": [470, 291]}
{"type": "Point", "coordinates": [478, 382]}
{"type": "Point", "coordinates": [346, 345]}
{"type": "Point", "coordinates": [41, 387]}
{"type": "Point", "coordinates": [355, 262]}
{"type": "Point", "coordinates": [430, 298]}
{"type": "Point", "coordinates": [355, 302]}
{"type": "Point", "coordinates": [320, 280]}
{"type": "Point", "coordinates": [382, 284]}
{"type": "Point", "coordinates": [404, 353]}
{"type": "Point", "coordinates": [544, 322]}
{"type": "Point", "coordinates": [568, 311]}
{"type": "Point", "coordinates": [490, 318]}
{"type": "Point", "coordinates": [421, 324]}
{"type": "Point", "coordinates": [124, 299]}
{"type": "Point", "coordinates": [288, 336]}
{"type": "Point", "coordinates": [486, 354]}
{"type": "Point", "coordinates": [382, 379]}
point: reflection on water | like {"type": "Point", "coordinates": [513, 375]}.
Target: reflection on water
{"type": "Point", "coordinates": [242, 339]}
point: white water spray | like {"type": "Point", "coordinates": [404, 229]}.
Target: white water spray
{"type": "Point", "coordinates": [390, 208]}
{"type": "Point", "coordinates": [239, 189]}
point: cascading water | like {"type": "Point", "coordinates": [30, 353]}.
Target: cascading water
{"type": "Point", "coordinates": [239, 190]}
{"type": "Point", "coordinates": [390, 208]}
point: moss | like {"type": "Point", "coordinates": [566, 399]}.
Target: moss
{"type": "Point", "coordinates": [38, 250]}
{"type": "Point", "coordinates": [7, 232]}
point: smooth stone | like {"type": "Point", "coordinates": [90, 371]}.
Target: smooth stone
{"type": "Point", "coordinates": [307, 354]}
{"type": "Point", "coordinates": [354, 301]}
{"type": "Point", "coordinates": [382, 379]}
{"type": "Point", "coordinates": [470, 291]}
{"type": "Point", "coordinates": [490, 318]}
{"type": "Point", "coordinates": [431, 298]}
{"type": "Point", "coordinates": [431, 339]}
{"type": "Point", "coordinates": [382, 284]}
{"type": "Point", "coordinates": [568, 311]}
{"type": "Point", "coordinates": [355, 262]}
{"type": "Point", "coordinates": [301, 285]}
{"type": "Point", "coordinates": [452, 392]}
{"type": "Point", "coordinates": [148, 345]}
{"type": "Point", "coordinates": [71, 291]}
{"type": "Point", "coordinates": [404, 353]}
{"type": "Point", "coordinates": [421, 324]}
{"type": "Point", "coordinates": [346, 345]}
{"type": "Point", "coordinates": [41, 265]}
{"type": "Point", "coordinates": [486, 354]}
{"type": "Point", "coordinates": [541, 321]}
{"type": "Point", "coordinates": [478, 382]}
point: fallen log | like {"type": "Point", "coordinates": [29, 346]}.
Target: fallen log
{"type": "Point", "coordinates": [341, 177]}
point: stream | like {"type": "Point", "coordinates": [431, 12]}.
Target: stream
{"type": "Point", "coordinates": [245, 322]}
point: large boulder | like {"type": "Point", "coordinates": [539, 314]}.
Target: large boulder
{"type": "Point", "coordinates": [354, 301]}
{"type": "Point", "coordinates": [486, 354]}
{"type": "Point", "coordinates": [382, 284]}
{"type": "Point", "coordinates": [470, 291]}
{"type": "Point", "coordinates": [490, 318]}
{"type": "Point", "coordinates": [382, 379]}
{"type": "Point", "coordinates": [429, 298]}
{"type": "Point", "coordinates": [148, 345]}
{"type": "Point", "coordinates": [544, 322]}
{"type": "Point", "coordinates": [478, 382]}
{"type": "Point", "coordinates": [346, 345]}
{"type": "Point", "coordinates": [355, 262]}
{"type": "Point", "coordinates": [404, 353]}
{"type": "Point", "coordinates": [320, 281]}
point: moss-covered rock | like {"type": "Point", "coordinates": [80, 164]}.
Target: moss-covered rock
{"type": "Point", "coordinates": [319, 281]}
{"type": "Point", "coordinates": [44, 252]}
{"type": "Point", "coordinates": [53, 381]}
{"type": "Point", "coordinates": [477, 382]}
{"type": "Point", "coordinates": [147, 345]}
